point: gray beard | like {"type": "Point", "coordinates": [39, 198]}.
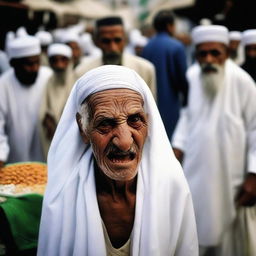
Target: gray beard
{"type": "Point", "coordinates": [212, 82]}
{"type": "Point", "coordinates": [112, 59]}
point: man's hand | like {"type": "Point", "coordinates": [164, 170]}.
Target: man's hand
{"type": "Point", "coordinates": [247, 193]}
{"type": "Point", "coordinates": [50, 126]}
{"type": "Point", "coordinates": [179, 154]}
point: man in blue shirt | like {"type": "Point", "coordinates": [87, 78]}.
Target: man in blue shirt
{"type": "Point", "coordinates": [168, 56]}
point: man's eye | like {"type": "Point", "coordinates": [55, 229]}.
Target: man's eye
{"type": "Point", "coordinates": [105, 125]}
{"type": "Point", "coordinates": [135, 120]}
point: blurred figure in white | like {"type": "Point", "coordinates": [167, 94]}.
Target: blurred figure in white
{"type": "Point", "coordinates": [21, 92]}
{"type": "Point", "coordinates": [235, 48]}
{"type": "Point", "coordinates": [73, 41]}
{"type": "Point", "coordinates": [45, 39]}
{"type": "Point", "coordinates": [89, 49]}
{"type": "Point", "coordinates": [136, 42]}
{"type": "Point", "coordinates": [215, 141]}
{"type": "Point", "coordinates": [56, 92]}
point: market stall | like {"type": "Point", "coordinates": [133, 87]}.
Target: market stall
{"type": "Point", "coordinates": [21, 193]}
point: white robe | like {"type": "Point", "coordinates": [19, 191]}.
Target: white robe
{"type": "Point", "coordinates": [19, 107]}
{"type": "Point", "coordinates": [71, 224]}
{"type": "Point", "coordinates": [218, 138]}
{"type": "Point", "coordinates": [53, 101]}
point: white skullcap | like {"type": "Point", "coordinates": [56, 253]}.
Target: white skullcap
{"type": "Point", "coordinates": [137, 39]}
{"type": "Point", "coordinates": [23, 47]}
{"type": "Point", "coordinates": [59, 49]}
{"type": "Point", "coordinates": [249, 37]}
{"type": "Point", "coordinates": [44, 37]}
{"type": "Point", "coordinates": [68, 36]}
{"type": "Point", "coordinates": [235, 35]}
{"type": "Point", "coordinates": [210, 33]}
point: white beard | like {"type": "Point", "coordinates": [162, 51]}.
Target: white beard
{"type": "Point", "coordinates": [213, 81]}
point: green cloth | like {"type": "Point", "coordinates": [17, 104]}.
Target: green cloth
{"type": "Point", "coordinates": [23, 214]}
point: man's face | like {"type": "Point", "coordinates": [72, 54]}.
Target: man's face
{"type": "Point", "coordinates": [250, 51]}
{"type": "Point", "coordinates": [233, 48]}
{"type": "Point", "coordinates": [212, 57]}
{"type": "Point", "coordinates": [59, 63]}
{"type": "Point", "coordinates": [117, 131]}
{"type": "Point", "coordinates": [111, 40]}
{"type": "Point", "coordinates": [210, 54]}
{"type": "Point", "coordinates": [76, 52]}
{"type": "Point", "coordinates": [26, 69]}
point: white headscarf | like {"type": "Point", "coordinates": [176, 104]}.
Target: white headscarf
{"type": "Point", "coordinates": [71, 224]}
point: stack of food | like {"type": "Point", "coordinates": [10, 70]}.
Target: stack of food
{"type": "Point", "coordinates": [22, 178]}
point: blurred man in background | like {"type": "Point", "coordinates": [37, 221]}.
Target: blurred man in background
{"type": "Point", "coordinates": [216, 137]}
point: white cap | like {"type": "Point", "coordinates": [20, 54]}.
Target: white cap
{"type": "Point", "coordinates": [24, 46]}
{"type": "Point", "coordinates": [235, 35]}
{"type": "Point", "coordinates": [140, 41]}
{"type": "Point", "coordinates": [44, 37]}
{"type": "Point", "coordinates": [210, 33]}
{"type": "Point", "coordinates": [59, 49]}
{"type": "Point", "coordinates": [68, 36]}
{"type": "Point", "coordinates": [249, 37]}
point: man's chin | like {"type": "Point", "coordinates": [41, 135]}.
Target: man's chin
{"type": "Point", "coordinates": [120, 172]}
{"type": "Point", "coordinates": [112, 60]}
{"type": "Point", "coordinates": [28, 82]}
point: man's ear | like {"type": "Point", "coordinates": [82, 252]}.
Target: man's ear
{"type": "Point", "coordinates": [82, 132]}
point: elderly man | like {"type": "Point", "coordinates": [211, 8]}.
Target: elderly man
{"type": "Point", "coordinates": [235, 48]}
{"type": "Point", "coordinates": [217, 134]}
{"type": "Point", "coordinates": [168, 56]}
{"type": "Point", "coordinates": [114, 185]}
{"type": "Point", "coordinates": [21, 91]}
{"type": "Point", "coordinates": [111, 39]}
{"type": "Point", "coordinates": [56, 92]}
{"type": "Point", "coordinates": [72, 39]}
{"type": "Point", "coordinates": [249, 43]}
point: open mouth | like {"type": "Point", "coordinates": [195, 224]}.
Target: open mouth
{"type": "Point", "coordinates": [121, 157]}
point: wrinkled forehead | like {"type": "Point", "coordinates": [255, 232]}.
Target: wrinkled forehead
{"type": "Point", "coordinates": [118, 95]}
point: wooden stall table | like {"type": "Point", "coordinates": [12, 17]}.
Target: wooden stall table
{"type": "Point", "coordinates": [22, 187]}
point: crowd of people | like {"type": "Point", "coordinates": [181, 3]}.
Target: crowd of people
{"type": "Point", "coordinates": [147, 153]}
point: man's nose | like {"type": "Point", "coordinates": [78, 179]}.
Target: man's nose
{"type": "Point", "coordinates": [34, 67]}
{"type": "Point", "coordinates": [209, 58]}
{"type": "Point", "coordinates": [113, 46]}
{"type": "Point", "coordinates": [123, 137]}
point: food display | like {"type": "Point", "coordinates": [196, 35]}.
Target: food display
{"type": "Point", "coordinates": [22, 178]}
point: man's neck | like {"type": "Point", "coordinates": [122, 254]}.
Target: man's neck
{"type": "Point", "coordinates": [115, 188]}
{"type": "Point", "coordinates": [116, 200]}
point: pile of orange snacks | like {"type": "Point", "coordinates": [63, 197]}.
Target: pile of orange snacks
{"type": "Point", "coordinates": [19, 178]}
